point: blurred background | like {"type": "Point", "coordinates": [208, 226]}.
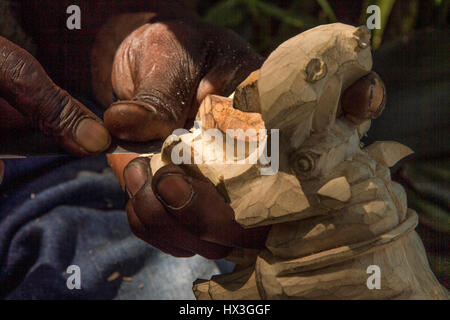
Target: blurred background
{"type": "Point", "coordinates": [265, 24]}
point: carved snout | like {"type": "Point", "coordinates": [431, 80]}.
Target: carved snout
{"type": "Point", "coordinates": [301, 83]}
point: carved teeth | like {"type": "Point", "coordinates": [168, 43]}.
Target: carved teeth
{"type": "Point", "coordinates": [338, 189]}
{"type": "Point", "coordinates": [388, 153]}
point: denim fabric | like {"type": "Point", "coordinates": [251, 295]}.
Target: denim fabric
{"type": "Point", "coordinates": [73, 215]}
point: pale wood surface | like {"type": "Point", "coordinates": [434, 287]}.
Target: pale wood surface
{"type": "Point", "coordinates": [388, 153]}
{"type": "Point", "coordinates": [332, 205]}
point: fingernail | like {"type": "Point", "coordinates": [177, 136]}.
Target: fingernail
{"type": "Point", "coordinates": [135, 177]}
{"type": "Point", "coordinates": [129, 120]}
{"type": "Point", "coordinates": [174, 190]}
{"type": "Point", "coordinates": [92, 136]}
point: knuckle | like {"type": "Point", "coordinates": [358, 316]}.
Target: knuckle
{"type": "Point", "coordinates": [15, 69]}
{"type": "Point", "coordinates": [24, 83]}
{"type": "Point", "coordinates": [58, 113]}
{"type": "Point", "coordinates": [16, 66]}
{"type": "Point", "coordinates": [165, 102]}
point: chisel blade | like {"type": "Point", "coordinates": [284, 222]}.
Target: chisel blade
{"type": "Point", "coordinates": [117, 147]}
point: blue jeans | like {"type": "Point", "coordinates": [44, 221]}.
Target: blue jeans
{"type": "Point", "coordinates": [59, 211]}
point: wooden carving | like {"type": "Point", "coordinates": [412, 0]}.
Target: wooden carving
{"type": "Point", "coordinates": [334, 211]}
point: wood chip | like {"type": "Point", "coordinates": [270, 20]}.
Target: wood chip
{"type": "Point", "coordinates": [113, 276]}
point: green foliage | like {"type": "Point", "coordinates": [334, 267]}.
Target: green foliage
{"type": "Point", "coordinates": [265, 24]}
{"type": "Point", "coordinates": [385, 11]}
{"type": "Point", "coordinates": [226, 13]}
{"type": "Point", "coordinates": [327, 9]}
{"type": "Point", "coordinates": [259, 21]}
{"type": "Point", "coordinates": [285, 16]}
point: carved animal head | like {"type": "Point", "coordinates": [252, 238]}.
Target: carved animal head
{"type": "Point", "coordinates": [299, 90]}
{"type": "Point", "coordinates": [332, 201]}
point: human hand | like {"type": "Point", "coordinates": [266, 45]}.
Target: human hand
{"type": "Point", "coordinates": [161, 73]}
{"type": "Point", "coordinates": [163, 70]}
{"type": "Point", "coordinates": [39, 115]}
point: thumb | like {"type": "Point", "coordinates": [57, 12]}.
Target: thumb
{"type": "Point", "coordinates": [25, 86]}
{"type": "Point", "coordinates": [155, 74]}
{"type": "Point", "coordinates": [197, 205]}
{"type": "Point", "coordinates": [163, 70]}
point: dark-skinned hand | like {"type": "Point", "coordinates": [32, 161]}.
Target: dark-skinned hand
{"type": "Point", "coordinates": [161, 73]}
{"type": "Point", "coordinates": [39, 115]}
{"type": "Point", "coordinates": [29, 99]}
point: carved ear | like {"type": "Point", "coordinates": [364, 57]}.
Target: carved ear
{"type": "Point", "coordinates": [388, 153]}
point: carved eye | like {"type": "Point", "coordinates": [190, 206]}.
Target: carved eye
{"type": "Point", "coordinates": [303, 162]}
{"type": "Point", "coordinates": [316, 70]}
